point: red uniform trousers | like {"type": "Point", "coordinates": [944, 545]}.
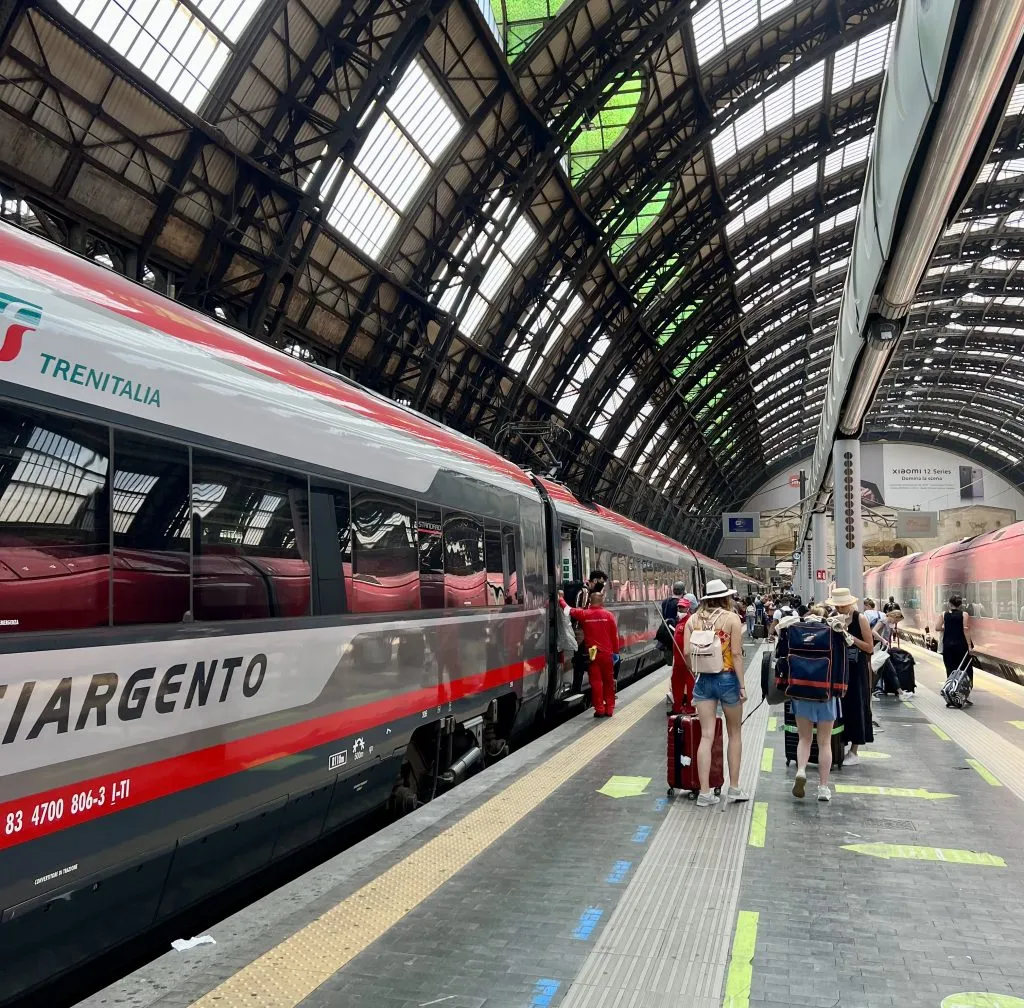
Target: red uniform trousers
{"type": "Point", "coordinates": [602, 683]}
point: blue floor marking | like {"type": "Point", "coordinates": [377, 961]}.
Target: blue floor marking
{"type": "Point", "coordinates": [588, 921]}
{"type": "Point", "coordinates": [543, 993]}
{"type": "Point", "coordinates": [659, 805]}
{"type": "Point", "coordinates": [619, 871]}
{"type": "Point", "coordinates": [641, 834]}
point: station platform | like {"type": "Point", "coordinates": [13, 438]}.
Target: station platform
{"type": "Point", "coordinates": [563, 877]}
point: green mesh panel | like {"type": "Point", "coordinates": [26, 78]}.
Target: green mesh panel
{"type": "Point", "coordinates": [643, 220]}
{"type": "Point", "coordinates": [609, 124]}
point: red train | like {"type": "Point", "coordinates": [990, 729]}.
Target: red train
{"type": "Point", "coordinates": [987, 571]}
{"type": "Point", "coordinates": [243, 602]}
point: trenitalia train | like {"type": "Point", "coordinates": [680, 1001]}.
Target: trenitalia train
{"type": "Point", "coordinates": [987, 571]}
{"type": "Point", "coordinates": [244, 602]}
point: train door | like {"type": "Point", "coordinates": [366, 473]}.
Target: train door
{"type": "Point", "coordinates": [570, 555]}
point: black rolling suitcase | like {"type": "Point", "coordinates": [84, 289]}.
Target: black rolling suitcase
{"type": "Point", "coordinates": [792, 738]}
{"type": "Point", "coordinates": [956, 690]}
{"type": "Point", "coordinates": [903, 662]}
{"type": "Point", "coordinates": [760, 631]}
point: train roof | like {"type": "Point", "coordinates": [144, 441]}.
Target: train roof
{"type": "Point", "coordinates": [76, 277]}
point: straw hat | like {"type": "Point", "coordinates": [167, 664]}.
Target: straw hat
{"type": "Point", "coordinates": [842, 597]}
{"type": "Point", "coordinates": [716, 589]}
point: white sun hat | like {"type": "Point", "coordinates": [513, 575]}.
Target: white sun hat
{"type": "Point", "coordinates": [716, 589]}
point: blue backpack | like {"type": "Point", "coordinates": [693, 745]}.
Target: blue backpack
{"type": "Point", "coordinates": [812, 662]}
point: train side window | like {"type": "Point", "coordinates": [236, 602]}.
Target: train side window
{"type": "Point", "coordinates": [1020, 601]}
{"type": "Point", "coordinates": [250, 541]}
{"type": "Point", "coordinates": [385, 562]}
{"type": "Point", "coordinates": [431, 551]}
{"type": "Point", "coordinates": [54, 522]}
{"type": "Point", "coordinates": [152, 531]}
{"type": "Point", "coordinates": [465, 567]}
{"type": "Point", "coordinates": [494, 565]}
{"type": "Point", "coordinates": [510, 540]}
{"type": "Point", "coordinates": [984, 605]}
{"type": "Point", "coordinates": [1004, 600]}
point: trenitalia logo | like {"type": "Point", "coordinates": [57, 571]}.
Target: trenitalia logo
{"type": "Point", "coordinates": [17, 317]}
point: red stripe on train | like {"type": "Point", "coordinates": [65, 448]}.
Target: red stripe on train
{"type": "Point", "coordinates": [37, 815]}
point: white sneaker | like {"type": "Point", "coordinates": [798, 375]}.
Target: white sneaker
{"type": "Point", "coordinates": [904, 695]}
{"type": "Point", "coordinates": [800, 784]}
{"type": "Point", "coordinates": [704, 800]}
{"type": "Point", "coordinates": [824, 792]}
{"type": "Point", "coordinates": [734, 794]}
{"type": "Point", "coordinates": [851, 759]}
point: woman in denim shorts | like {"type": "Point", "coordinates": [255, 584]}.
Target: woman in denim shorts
{"type": "Point", "coordinates": [724, 687]}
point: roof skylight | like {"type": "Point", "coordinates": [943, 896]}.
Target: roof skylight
{"type": "Point", "coordinates": [721, 22]}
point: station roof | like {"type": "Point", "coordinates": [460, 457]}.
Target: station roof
{"type": "Point", "coordinates": [608, 238]}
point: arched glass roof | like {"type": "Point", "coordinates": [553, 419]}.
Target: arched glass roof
{"type": "Point", "coordinates": [610, 230]}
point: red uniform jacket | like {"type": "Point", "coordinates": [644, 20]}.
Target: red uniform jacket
{"type": "Point", "coordinates": [599, 629]}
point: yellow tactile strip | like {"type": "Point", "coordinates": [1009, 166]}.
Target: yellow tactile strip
{"type": "Point", "coordinates": [291, 971]}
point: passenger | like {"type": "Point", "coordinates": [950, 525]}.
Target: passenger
{"type": "Point", "coordinates": [670, 606]}
{"type": "Point", "coordinates": [751, 615]}
{"type": "Point", "coordinates": [682, 677]}
{"type": "Point", "coordinates": [891, 605]}
{"type": "Point", "coordinates": [601, 645]}
{"type": "Point", "coordinates": [581, 664]}
{"type": "Point", "coordinates": [858, 728]}
{"type": "Point", "coordinates": [567, 643]}
{"type": "Point", "coordinates": [715, 613]}
{"type": "Point", "coordinates": [957, 639]}
{"type": "Point", "coordinates": [760, 612]}
{"type": "Point", "coordinates": [887, 681]}
{"type": "Point", "coordinates": [814, 716]}
{"type": "Point", "coordinates": [873, 614]}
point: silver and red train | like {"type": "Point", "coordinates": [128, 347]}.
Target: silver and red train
{"type": "Point", "coordinates": [987, 571]}
{"type": "Point", "coordinates": [243, 602]}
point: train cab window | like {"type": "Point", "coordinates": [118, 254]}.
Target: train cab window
{"type": "Point", "coordinates": [385, 561]}
{"type": "Point", "coordinates": [54, 522]}
{"type": "Point", "coordinates": [984, 606]}
{"type": "Point", "coordinates": [465, 566]}
{"type": "Point", "coordinates": [152, 531]}
{"type": "Point", "coordinates": [1004, 600]}
{"type": "Point", "coordinates": [431, 552]}
{"type": "Point", "coordinates": [250, 541]}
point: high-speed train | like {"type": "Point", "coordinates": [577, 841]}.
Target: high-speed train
{"type": "Point", "coordinates": [987, 571]}
{"type": "Point", "coordinates": [243, 602]}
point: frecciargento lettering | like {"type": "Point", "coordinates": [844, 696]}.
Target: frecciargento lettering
{"type": "Point", "coordinates": [108, 695]}
{"type": "Point", "coordinates": [103, 381]}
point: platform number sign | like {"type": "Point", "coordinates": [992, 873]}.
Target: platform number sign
{"type": "Point", "coordinates": [820, 575]}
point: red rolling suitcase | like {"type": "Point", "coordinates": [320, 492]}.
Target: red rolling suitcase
{"type": "Point", "coordinates": [683, 739]}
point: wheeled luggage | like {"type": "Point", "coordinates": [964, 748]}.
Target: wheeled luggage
{"type": "Point", "coordinates": [793, 737]}
{"type": "Point", "coordinates": [957, 688]}
{"type": "Point", "coordinates": [903, 662]}
{"type": "Point", "coordinates": [760, 631]}
{"type": "Point", "coordinates": [683, 739]}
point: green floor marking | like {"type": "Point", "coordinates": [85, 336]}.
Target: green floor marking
{"type": "Point", "coordinates": [741, 965]}
{"type": "Point", "coordinates": [974, 1000]}
{"type": "Point", "coordinates": [767, 759]}
{"type": "Point", "coordinates": [624, 787]}
{"type": "Point", "coordinates": [1016, 724]}
{"type": "Point", "coordinates": [905, 852]}
{"type": "Point", "coordinates": [758, 824]}
{"type": "Point", "coordinates": [891, 792]}
{"type": "Point", "coordinates": [938, 731]}
{"type": "Point", "coordinates": [984, 773]}
{"type": "Point", "coordinates": [871, 754]}
{"type": "Point", "coordinates": [907, 703]}
{"type": "Point", "coordinates": [773, 723]}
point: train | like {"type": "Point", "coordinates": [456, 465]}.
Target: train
{"type": "Point", "coordinates": [245, 602]}
{"type": "Point", "coordinates": [986, 571]}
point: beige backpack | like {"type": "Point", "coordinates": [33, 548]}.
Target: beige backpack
{"type": "Point", "coordinates": [705, 648]}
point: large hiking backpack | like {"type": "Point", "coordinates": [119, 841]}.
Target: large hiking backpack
{"type": "Point", "coordinates": [811, 662]}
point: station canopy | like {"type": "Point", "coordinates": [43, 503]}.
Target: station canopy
{"type": "Point", "coordinates": [608, 238]}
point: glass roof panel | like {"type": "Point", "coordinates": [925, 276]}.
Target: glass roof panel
{"type": "Point", "coordinates": [803, 179]}
{"type": "Point", "coordinates": [643, 220]}
{"type": "Point", "coordinates": [721, 22]}
{"type": "Point", "coordinates": [862, 60]}
{"type": "Point", "coordinates": [182, 47]}
{"type": "Point", "coordinates": [606, 127]}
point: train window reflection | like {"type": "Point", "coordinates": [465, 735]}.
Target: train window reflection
{"type": "Point", "coordinates": [152, 531]}
{"type": "Point", "coordinates": [385, 563]}
{"type": "Point", "coordinates": [250, 537]}
{"type": "Point", "coordinates": [1004, 600]}
{"type": "Point", "coordinates": [494, 566]}
{"type": "Point", "coordinates": [431, 552]}
{"type": "Point", "coordinates": [984, 603]}
{"type": "Point", "coordinates": [465, 574]}
{"type": "Point", "coordinates": [54, 522]}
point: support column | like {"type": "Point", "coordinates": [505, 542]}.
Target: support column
{"type": "Point", "coordinates": [819, 552]}
{"type": "Point", "coordinates": [849, 524]}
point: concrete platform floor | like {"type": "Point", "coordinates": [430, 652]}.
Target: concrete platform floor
{"type": "Point", "coordinates": [564, 876]}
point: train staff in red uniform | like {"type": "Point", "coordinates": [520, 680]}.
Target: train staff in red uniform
{"type": "Point", "coordinates": [682, 677]}
{"type": "Point", "coordinates": [601, 643]}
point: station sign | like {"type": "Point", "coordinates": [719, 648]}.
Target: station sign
{"type": "Point", "coordinates": [741, 525]}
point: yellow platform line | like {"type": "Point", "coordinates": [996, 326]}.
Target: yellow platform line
{"type": "Point", "coordinates": [938, 731]}
{"type": "Point", "coordinates": [985, 773]}
{"type": "Point", "coordinates": [767, 760]}
{"type": "Point", "coordinates": [758, 824]}
{"type": "Point", "coordinates": [287, 974]}
{"type": "Point", "coordinates": [741, 965]}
